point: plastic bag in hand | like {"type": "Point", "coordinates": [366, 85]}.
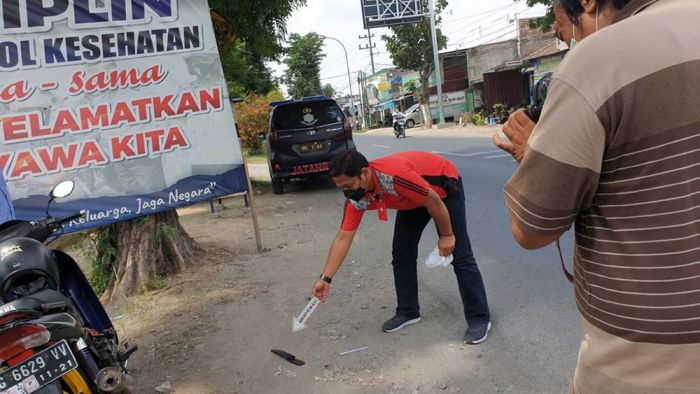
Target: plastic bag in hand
{"type": "Point", "coordinates": [435, 260]}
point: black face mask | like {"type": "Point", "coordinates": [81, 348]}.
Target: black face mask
{"type": "Point", "coordinates": [355, 195]}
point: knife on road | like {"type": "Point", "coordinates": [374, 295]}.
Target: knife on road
{"type": "Point", "coordinates": [289, 357]}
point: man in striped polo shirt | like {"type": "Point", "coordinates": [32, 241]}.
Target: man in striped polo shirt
{"type": "Point", "coordinates": [617, 153]}
{"type": "Point", "coordinates": [421, 186]}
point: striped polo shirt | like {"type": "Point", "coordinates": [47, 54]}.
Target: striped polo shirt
{"type": "Point", "coordinates": [617, 154]}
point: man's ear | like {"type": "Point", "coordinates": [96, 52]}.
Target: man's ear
{"type": "Point", "coordinates": [589, 6]}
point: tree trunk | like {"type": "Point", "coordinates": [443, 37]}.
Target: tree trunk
{"type": "Point", "coordinates": [148, 249]}
{"type": "Point", "coordinates": [425, 97]}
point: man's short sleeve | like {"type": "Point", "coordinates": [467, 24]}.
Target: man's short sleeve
{"type": "Point", "coordinates": [351, 217]}
{"type": "Point", "coordinates": [408, 183]}
{"type": "Point", "coordinates": [559, 175]}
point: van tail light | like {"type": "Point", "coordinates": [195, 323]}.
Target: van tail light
{"type": "Point", "coordinates": [22, 338]}
{"type": "Point", "coordinates": [277, 167]}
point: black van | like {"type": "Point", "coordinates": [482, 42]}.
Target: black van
{"type": "Point", "coordinates": [303, 137]}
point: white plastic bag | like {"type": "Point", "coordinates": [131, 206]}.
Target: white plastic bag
{"type": "Point", "coordinates": [435, 260]}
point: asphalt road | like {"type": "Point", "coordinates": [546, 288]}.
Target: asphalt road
{"type": "Point", "coordinates": [536, 325]}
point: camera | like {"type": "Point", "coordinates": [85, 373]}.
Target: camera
{"type": "Point", "coordinates": [539, 94]}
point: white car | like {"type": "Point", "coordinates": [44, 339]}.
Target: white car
{"type": "Point", "coordinates": [413, 115]}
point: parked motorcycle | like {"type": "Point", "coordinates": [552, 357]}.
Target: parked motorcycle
{"type": "Point", "coordinates": [55, 336]}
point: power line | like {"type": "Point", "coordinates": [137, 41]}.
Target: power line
{"type": "Point", "coordinates": [447, 21]}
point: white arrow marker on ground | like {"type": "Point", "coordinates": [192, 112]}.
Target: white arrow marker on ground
{"type": "Point", "coordinates": [298, 323]}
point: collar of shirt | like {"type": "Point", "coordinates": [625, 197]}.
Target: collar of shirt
{"type": "Point", "coordinates": [632, 8]}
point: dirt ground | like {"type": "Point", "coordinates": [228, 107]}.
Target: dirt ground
{"type": "Point", "coordinates": [210, 329]}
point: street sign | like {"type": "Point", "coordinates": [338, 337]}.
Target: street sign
{"type": "Point", "coordinates": [381, 13]}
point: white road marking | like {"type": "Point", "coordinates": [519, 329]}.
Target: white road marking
{"type": "Point", "coordinates": [467, 154]}
{"type": "Point", "coordinates": [382, 146]}
{"type": "Point", "coordinates": [497, 156]}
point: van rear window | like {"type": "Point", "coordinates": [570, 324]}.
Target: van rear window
{"type": "Point", "coordinates": [307, 115]}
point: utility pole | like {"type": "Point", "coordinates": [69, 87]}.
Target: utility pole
{"type": "Point", "coordinates": [369, 46]}
{"type": "Point", "coordinates": [436, 56]}
{"type": "Point", "coordinates": [362, 99]}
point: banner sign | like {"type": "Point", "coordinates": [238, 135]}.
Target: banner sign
{"type": "Point", "coordinates": [452, 102]}
{"type": "Point", "coordinates": [126, 98]}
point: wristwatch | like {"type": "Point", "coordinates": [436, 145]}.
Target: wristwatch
{"type": "Point", "coordinates": [326, 279]}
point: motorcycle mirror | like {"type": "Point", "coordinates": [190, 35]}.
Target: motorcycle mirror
{"type": "Point", "coordinates": [62, 190]}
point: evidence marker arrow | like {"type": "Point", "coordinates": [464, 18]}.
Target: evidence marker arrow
{"type": "Point", "coordinates": [299, 322]}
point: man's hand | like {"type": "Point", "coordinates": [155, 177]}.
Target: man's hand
{"type": "Point", "coordinates": [446, 244]}
{"type": "Point", "coordinates": [518, 129]}
{"type": "Point", "coordinates": [321, 289]}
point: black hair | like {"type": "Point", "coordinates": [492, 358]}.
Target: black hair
{"type": "Point", "coordinates": [574, 9]}
{"type": "Point", "coordinates": [348, 163]}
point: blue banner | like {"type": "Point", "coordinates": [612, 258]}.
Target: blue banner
{"type": "Point", "coordinates": [126, 98]}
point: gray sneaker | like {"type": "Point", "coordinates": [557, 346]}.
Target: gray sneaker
{"type": "Point", "coordinates": [398, 322]}
{"type": "Point", "coordinates": [477, 333]}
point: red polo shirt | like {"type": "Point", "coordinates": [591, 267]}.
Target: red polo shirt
{"type": "Point", "coordinates": [401, 181]}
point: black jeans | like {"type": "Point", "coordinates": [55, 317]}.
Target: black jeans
{"type": "Point", "coordinates": [407, 232]}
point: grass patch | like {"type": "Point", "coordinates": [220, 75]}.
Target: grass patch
{"type": "Point", "coordinates": [256, 158]}
{"type": "Point", "coordinates": [156, 283]}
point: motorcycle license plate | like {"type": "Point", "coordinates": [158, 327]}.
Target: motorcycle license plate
{"type": "Point", "coordinates": [312, 147]}
{"type": "Point", "coordinates": [38, 370]}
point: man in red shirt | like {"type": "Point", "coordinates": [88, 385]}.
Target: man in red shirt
{"type": "Point", "coordinates": [420, 186]}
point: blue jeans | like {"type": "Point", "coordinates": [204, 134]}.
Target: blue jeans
{"type": "Point", "coordinates": [407, 232]}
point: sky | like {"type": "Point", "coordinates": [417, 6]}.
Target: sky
{"type": "Point", "coordinates": [466, 23]}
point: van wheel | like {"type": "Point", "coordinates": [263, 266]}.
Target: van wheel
{"type": "Point", "coordinates": [277, 187]}
{"type": "Point", "coordinates": [410, 123]}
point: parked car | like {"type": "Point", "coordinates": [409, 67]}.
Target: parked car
{"type": "Point", "coordinates": [413, 115]}
{"type": "Point", "coordinates": [304, 135]}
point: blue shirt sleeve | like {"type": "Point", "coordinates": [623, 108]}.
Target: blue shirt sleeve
{"type": "Point", "coordinates": [7, 212]}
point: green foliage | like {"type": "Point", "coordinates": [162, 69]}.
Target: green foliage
{"type": "Point", "coordinates": [411, 46]}
{"type": "Point", "coordinates": [249, 33]}
{"type": "Point", "coordinates": [162, 231]}
{"type": "Point", "coordinates": [477, 119]}
{"type": "Point", "coordinates": [262, 25]}
{"type": "Point", "coordinates": [253, 116]}
{"type": "Point", "coordinates": [328, 90]}
{"type": "Point", "coordinates": [413, 88]}
{"type": "Point", "coordinates": [101, 255]}
{"type": "Point", "coordinates": [156, 283]}
{"type": "Point", "coordinates": [304, 55]}
{"type": "Point", "coordinates": [275, 95]}
{"type": "Point", "coordinates": [245, 70]}
{"type": "Point", "coordinates": [544, 23]}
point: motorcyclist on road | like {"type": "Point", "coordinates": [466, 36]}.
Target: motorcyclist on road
{"type": "Point", "coordinates": [396, 115]}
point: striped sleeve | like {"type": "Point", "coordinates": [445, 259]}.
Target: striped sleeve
{"type": "Point", "coordinates": [412, 186]}
{"type": "Point", "coordinates": [559, 174]}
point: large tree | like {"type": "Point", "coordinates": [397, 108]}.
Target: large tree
{"type": "Point", "coordinates": [411, 48]}
{"type": "Point", "coordinates": [328, 90]}
{"type": "Point", "coordinates": [137, 253]}
{"type": "Point", "coordinates": [303, 62]}
{"type": "Point", "coordinates": [250, 33]}
{"type": "Point", "coordinates": [545, 23]}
